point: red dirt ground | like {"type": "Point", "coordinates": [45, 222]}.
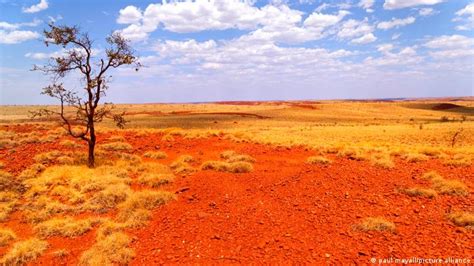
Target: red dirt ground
{"type": "Point", "coordinates": [284, 211]}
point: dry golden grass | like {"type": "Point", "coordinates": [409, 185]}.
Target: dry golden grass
{"type": "Point", "coordinates": [111, 250]}
{"type": "Point", "coordinates": [420, 192]}
{"type": "Point", "coordinates": [458, 160]}
{"type": "Point", "coordinates": [66, 227]}
{"type": "Point", "coordinates": [116, 146]}
{"type": "Point", "coordinates": [446, 186]}
{"type": "Point", "coordinates": [375, 224]}
{"type": "Point", "coordinates": [107, 227]}
{"type": "Point", "coordinates": [236, 167]}
{"type": "Point", "coordinates": [154, 180]}
{"type": "Point", "coordinates": [47, 157]}
{"type": "Point", "coordinates": [232, 156]}
{"type": "Point", "coordinates": [353, 154]}
{"type": "Point", "coordinates": [31, 172]}
{"type": "Point", "coordinates": [181, 165]}
{"type": "Point", "coordinates": [134, 210]}
{"type": "Point", "coordinates": [318, 160]}
{"type": "Point", "coordinates": [117, 138]}
{"type": "Point", "coordinates": [155, 155]}
{"type": "Point", "coordinates": [382, 161]}
{"type": "Point", "coordinates": [168, 138]}
{"type": "Point", "coordinates": [450, 187]}
{"type": "Point", "coordinates": [24, 251]}
{"type": "Point", "coordinates": [6, 236]}
{"type": "Point", "coordinates": [415, 157]}
{"type": "Point", "coordinates": [70, 144]}
{"type": "Point", "coordinates": [60, 253]}
{"type": "Point", "coordinates": [461, 218]}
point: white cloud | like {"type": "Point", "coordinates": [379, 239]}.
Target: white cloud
{"type": "Point", "coordinates": [367, 5]}
{"type": "Point", "coordinates": [396, 36]}
{"type": "Point", "coordinates": [62, 52]}
{"type": "Point", "coordinates": [397, 4]}
{"type": "Point", "coordinates": [17, 36]}
{"type": "Point", "coordinates": [451, 46]}
{"type": "Point", "coordinates": [427, 11]}
{"type": "Point", "coordinates": [395, 23]}
{"type": "Point", "coordinates": [15, 26]}
{"type": "Point", "coordinates": [354, 28]}
{"type": "Point", "coordinates": [367, 38]}
{"type": "Point", "coordinates": [42, 5]}
{"type": "Point", "coordinates": [129, 15]}
{"type": "Point", "coordinates": [405, 57]}
{"type": "Point", "coordinates": [467, 15]}
{"type": "Point", "coordinates": [450, 41]}
{"type": "Point", "coordinates": [269, 23]}
{"type": "Point", "coordinates": [319, 20]}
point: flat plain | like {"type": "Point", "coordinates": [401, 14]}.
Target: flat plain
{"type": "Point", "coordinates": [242, 182]}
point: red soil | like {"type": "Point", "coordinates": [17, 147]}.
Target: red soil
{"type": "Point", "coordinates": [284, 211]}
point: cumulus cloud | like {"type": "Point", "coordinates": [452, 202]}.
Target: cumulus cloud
{"type": "Point", "coordinates": [355, 29]}
{"type": "Point", "coordinates": [129, 15]}
{"type": "Point", "coordinates": [467, 16]}
{"type": "Point", "coordinates": [15, 26]}
{"type": "Point", "coordinates": [269, 23]}
{"type": "Point", "coordinates": [451, 46]}
{"type": "Point", "coordinates": [42, 5]}
{"type": "Point", "coordinates": [395, 23]}
{"type": "Point", "coordinates": [367, 5]}
{"type": "Point", "coordinates": [367, 38]}
{"type": "Point", "coordinates": [397, 4]}
{"type": "Point", "coordinates": [427, 11]}
{"type": "Point", "coordinates": [17, 36]}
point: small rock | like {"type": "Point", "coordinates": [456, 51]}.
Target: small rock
{"type": "Point", "coordinates": [327, 255]}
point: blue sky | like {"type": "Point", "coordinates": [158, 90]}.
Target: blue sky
{"type": "Point", "coordinates": [197, 51]}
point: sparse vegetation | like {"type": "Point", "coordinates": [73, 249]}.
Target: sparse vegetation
{"type": "Point", "coordinates": [111, 250]}
{"type": "Point", "coordinates": [24, 251]}
{"type": "Point", "coordinates": [375, 224]}
{"type": "Point", "coordinates": [117, 146]}
{"type": "Point", "coordinates": [420, 192]}
{"type": "Point", "coordinates": [446, 186]}
{"type": "Point", "coordinates": [67, 227]}
{"type": "Point", "coordinates": [460, 218]}
{"type": "Point", "coordinates": [318, 160]}
{"type": "Point", "coordinates": [155, 155]}
{"type": "Point", "coordinates": [6, 235]}
{"type": "Point", "coordinates": [236, 167]}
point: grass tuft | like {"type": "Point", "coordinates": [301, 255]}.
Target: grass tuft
{"type": "Point", "coordinates": [111, 250]}
{"type": "Point", "coordinates": [117, 146]}
{"type": "Point", "coordinates": [24, 251]}
{"type": "Point", "coordinates": [420, 192]}
{"type": "Point", "coordinates": [155, 155]}
{"type": "Point", "coordinates": [236, 167]}
{"type": "Point", "coordinates": [375, 224]}
{"type": "Point", "coordinates": [461, 218]}
{"type": "Point", "coordinates": [318, 160]}
{"type": "Point", "coordinates": [66, 227]}
{"type": "Point", "coordinates": [6, 235]}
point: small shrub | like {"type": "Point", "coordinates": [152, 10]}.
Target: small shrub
{"type": "Point", "coordinates": [24, 251]}
{"type": "Point", "coordinates": [237, 167]}
{"type": "Point", "coordinates": [383, 161]}
{"type": "Point", "coordinates": [415, 157]}
{"type": "Point", "coordinates": [117, 146]}
{"type": "Point", "coordinates": [167, 137]}
{"type": "Point", "coordinates": [67, 227]}
{"type": "Point", "coordinates": [154, 180]}
{"type": "Point", "coordinates": [155, 155]}
{"type": "Point", "coordinates": [111, 250]}
{"type": "Point", "coordinates": [69, 144]}
{"type": "Point", "coordinates": [6, 235]}
{"type": "Point", "coordinates": [318, 160]}
{"type": "Point", "coordinates": [420, 192]}
{"type": "Point", "coordinates": [458, 160]}
{"type": "Point", "coordinates": [460, 218]}
{"type": "Point", "coordinates": [450, 187]}
{"type": "Point", "coordinates": [375, 224]}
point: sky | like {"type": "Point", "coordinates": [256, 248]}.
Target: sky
{"type": "Point", "coordinates": [221, 50]}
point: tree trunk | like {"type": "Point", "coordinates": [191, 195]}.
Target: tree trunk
{"type": "Point", "coordinates": [91, 160]}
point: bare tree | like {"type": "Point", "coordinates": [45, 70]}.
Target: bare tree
{"type": "Point", "coordinates": [78, 57]}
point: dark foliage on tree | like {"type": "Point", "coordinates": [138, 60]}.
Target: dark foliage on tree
{"type": "Point", "coordinates": [78, 57]}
